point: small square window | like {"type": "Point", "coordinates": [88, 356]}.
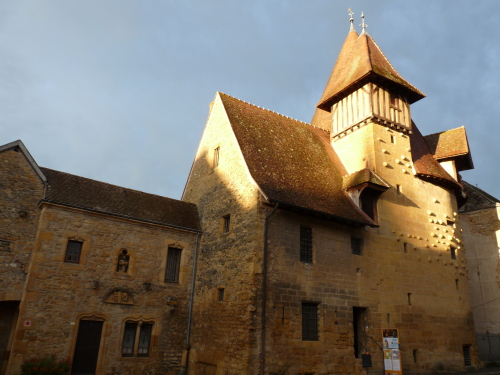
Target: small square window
{"type": "Point", "coordinates": [73, 251]}
{"type": "Point", "coordinates": [173, 265]}
{"type": "Point", "coordinates": [226, 223]}
{"type": "Point", "coordinates": [306, 254]}
{"type": "Point", "coordinates": [310, 321]}
{"type": "Point", "coordinates": [216, 157]}
{"type": "Point", "coordinates": [394, 101]}
{"type": "Point", "coordinates": [357, 246]}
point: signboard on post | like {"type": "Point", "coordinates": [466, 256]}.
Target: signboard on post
{"type": "Point", "coordinates": [392, 355]}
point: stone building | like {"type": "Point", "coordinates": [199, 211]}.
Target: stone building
{"type": "Point", "coordinates": [480, 218]}
{"type": "Point", "coordinates": [317, 237]}
{"type": "Point", "coordinates": [295, 246]}
{"type": "Point", "coordinates": [92, 272]}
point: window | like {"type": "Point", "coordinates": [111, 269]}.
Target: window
{"type": "Point", "coordinates": [357, 246]}
{"type": "Point", "coordinates": [415, 355]}
{"type": "Point", "coordinates": [453, 252]}
{"type": "Point", "coordinates": [368, 202]}
{"type": "Point", "coordinates": [173, 265]}
{"type": "Point", "coordinates": [467, 359]}
{"type": "Point", "coordinates": [393, 139]}
{"type": "Point", "coordinates": [216, 157]}
{"type": "Point", "coordinates": [129, 343]}
{"type": "Point", "coordinates": [394, 101]}
{"type": "Point", "coordinates": [405, 247]}
{"type": "Point", "coordinates": [306, 255]}
{"type": "Point", "coordinates": [221, 295]}
{"type": "Point", "coordinates": [310, 321]}
{"type": "Point", "coordinates": [409, 299]}
{"type": "Point", "coordinates": [226, 223]}
{"type": "Point", "coordinates": [398, 189]}
{"type": "Point", "coordinates": [73, 251]}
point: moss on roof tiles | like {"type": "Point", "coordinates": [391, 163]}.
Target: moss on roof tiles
{"type": "Point", "coordinates": [448, 144]}
{"type": "Point", "coordinates": [359, 59]}
{"type": "Point", "coordinates": [76, 191]}
{"type": "Point", "coordinates": [291, 161]}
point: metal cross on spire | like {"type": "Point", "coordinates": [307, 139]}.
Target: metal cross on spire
{"type": "Point", "coordinates": [351, 13]}
{"type": "Point", "coordinates": [363, 24]}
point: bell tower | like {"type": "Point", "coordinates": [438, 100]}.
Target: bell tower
{"type": "Point", "coordinates": [364, 96]}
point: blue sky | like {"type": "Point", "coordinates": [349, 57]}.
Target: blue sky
{"type": "Point", "coordinates": [119, 91]}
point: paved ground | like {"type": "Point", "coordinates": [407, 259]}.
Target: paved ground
{"type": "Point", "coordinates": [483, 371]}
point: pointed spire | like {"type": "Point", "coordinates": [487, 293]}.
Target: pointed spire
{"type": "Point", "coordinates": [351, 20]}
{"type": "Point", "coordinates": [361, 61]}
{"type": "Point", "coordinates": [363, 24]}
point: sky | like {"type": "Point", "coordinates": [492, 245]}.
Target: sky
{"type": "Point", "coordinates": [119, 91]}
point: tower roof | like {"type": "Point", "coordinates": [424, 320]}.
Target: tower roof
{"type": "Point", "coordinates": [361, 60]}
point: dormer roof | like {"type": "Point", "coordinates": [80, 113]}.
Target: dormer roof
{"type": "Point", "coordinates": [361, 61]}
{"type": "Point", "coordinates": [451, 144]}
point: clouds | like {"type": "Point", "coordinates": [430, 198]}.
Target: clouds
{"type": "Point", "coordinates": [119, 90]}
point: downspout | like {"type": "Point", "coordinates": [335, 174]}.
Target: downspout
{"type": "Point", "coordinates": [264, 293]}
{"type": "Point", "coordinates": [185, 352]}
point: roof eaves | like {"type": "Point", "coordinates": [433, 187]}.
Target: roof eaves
{"type": "Point", "coordinates": [118, 215]}
{"type": "Point", "coordinates": [332, 217]}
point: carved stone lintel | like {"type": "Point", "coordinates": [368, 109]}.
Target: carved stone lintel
{"type": "Point", "coordinates": [119, 296]}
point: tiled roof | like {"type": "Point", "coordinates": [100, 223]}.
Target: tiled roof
{"type": "Point", "coordinates": [477, 198]}
{"type": "Point", "coordinates": [80, 192]}
{"type": "Point", "coordinates": [291, 161]}
{"type": "Point", "coordinates": [451, 144]}
{"type": "Point", "coordinates": [359, 59]}
{"type": "Point", "coordinates": [363, 176]}
{"type": "Point", "coordinates": [427, 168]}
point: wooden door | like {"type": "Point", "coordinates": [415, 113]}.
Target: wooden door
{"type": "Point", "coordinates": [87, 347]}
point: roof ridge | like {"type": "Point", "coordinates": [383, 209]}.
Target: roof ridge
{"type": "Point", "coordinates": [269, 110]}
{"type": "Point", "coordinates": [113, 185]}
{"type": "Point", "coordinates": [482, 192]}
{"type": "Point", "coordinates": [444, 131]}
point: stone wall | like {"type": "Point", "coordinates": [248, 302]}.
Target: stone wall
{"type": "Point", "coordinates": [481, 228]}
{"type": "Point", "coordinates": [20, 188]}
{"type": "Point", "coordinates": [225, 329]}
{"type": "Point", "coordinates": [59, 295]}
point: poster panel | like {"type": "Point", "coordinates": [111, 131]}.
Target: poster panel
{"type": "Point", "coordinates": [392, 355]}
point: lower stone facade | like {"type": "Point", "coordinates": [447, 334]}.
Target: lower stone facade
{"type": "Point", "coordinates": [481, 239]}
{"type": "Point", "coordinates": [140, 320]}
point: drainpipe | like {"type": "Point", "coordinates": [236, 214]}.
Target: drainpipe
{"type": "Point", "coordinates": [185, 352]}
{"type": "Point", "coordinates": [264, 293]}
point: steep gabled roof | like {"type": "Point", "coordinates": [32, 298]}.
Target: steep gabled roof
{"type": "Point", "coordinates": [477, 198]}
{"type": "Point", "coordinates": [79, 192]}
{"type": "Point", "coordinates": [361, 61]}
{"type": "Point", "coordinates": [451, 144]}
{"type": "Point", "coordinates": [291, 161]}
{"type": "Point", "coordinates": [19, 145]}
{"type": "Point", "coordinates": [428, 169]}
